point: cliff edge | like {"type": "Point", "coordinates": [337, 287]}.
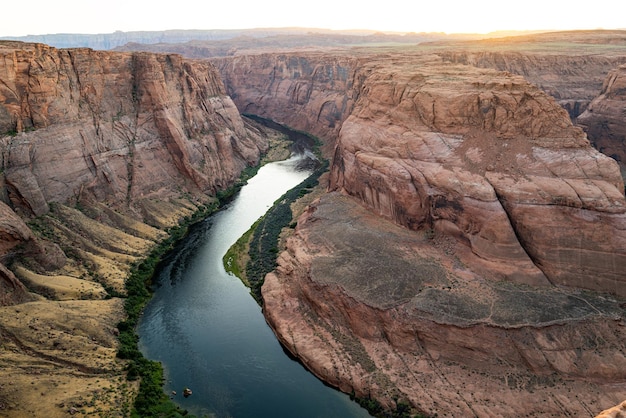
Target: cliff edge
{"type": "Point", "coordinates": [469, 255]}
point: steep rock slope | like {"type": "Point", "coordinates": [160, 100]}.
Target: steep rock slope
{"type": "Point", "coordinates": [405, 317]}
{"type": "Point", "coordinates": [313, 92]}
{"type": "Point", "coordinates": [13, 232]}
{"type": "Point", "coordinates": [101, 151]}
{"type": "Point", "coordinates": [445, 268]}
{"type": "Point", "coordinates": [604, 120]}
{"type": "Point", "coordinates": [116, 127]}
{"type": "Point", "coordinates": [491, 160]}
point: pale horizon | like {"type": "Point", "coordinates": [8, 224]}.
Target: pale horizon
{"type": "Point", "coordinates": [451, 16]}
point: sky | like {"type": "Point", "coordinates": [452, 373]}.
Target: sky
{"type": "Point", "coordinates": [37, 17]}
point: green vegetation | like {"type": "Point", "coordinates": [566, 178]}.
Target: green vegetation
{"type": "Point", "coordinates": [226, 195]}
{"type": "Point", "coordinates": [254, 254]}
{"type": "Point", "coordinates": [263, 237]}
{"type": "Point", "coordinates": [151, 400]}
{"type": "Point", "coordinates": [236, 258]}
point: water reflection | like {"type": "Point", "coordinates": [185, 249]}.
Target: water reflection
{"type": "Point", "coordinates": [210, 334]}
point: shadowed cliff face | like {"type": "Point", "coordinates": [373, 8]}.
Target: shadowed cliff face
{"type": "Point", "coordinates": [604, 120]}
{"type": "Point", "coordinates": [444, 268]}
{"type": "Point", "coordinates": [310, 92]}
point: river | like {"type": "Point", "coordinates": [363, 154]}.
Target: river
{"type": "Point", "coordinates": [210, 334]}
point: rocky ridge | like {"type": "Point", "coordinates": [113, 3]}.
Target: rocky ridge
{"type": "Point", "coordinates": [569, 66]}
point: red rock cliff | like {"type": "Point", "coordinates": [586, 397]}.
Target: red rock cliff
{"type": "Point", "coordinates": [481, 155]}
{"type": "Point", "coordinates": [573, 80]}
{"type": "Point", "coordinates": [444, 268]}
{"type": "Point", "coordinates": [313, 92]}
{"type": "Point", "coordinates": [493, 161]}
{"type": "Point", "coordinates": [570, 66]}
{"type": "Point", "coordinates": [604, 120]}
{"type": "Point", "coordinates": [99, 151]}
{"type": "Point", "coordinates": [118, 127]}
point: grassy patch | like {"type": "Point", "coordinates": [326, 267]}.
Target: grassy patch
{"type": "Point", "coordinates": [236, 258]}
{"type": "Point", "coordinates": [261, 241]}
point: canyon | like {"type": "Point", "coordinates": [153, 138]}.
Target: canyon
{"type": "Point", "coordinates": [467, 222]}
{"type": "Point", "coordinates": [102, 153]}
{"type": "Point", "coordinates": [466, 257]}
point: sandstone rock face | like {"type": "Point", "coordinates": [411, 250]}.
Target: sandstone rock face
{"type": "Point", "coordinates": [12, 291]}
{"type": "Point", "coordinates": [312, 92]}
{"type": "Point", "coordinates": [615, 412]}
{"type": "Point", "coordinates": [604, 120]}
{"type": "Point", "coordinates": [573, 80]}
{"type": "Point", "coordinates": [569, 66]}
{"type": "Point", "coordinates": [479, 154]}
{"type": "Point", "coordinates": [13, 230]}
{"type": "Point", "coordinates": [399, 315]}
{"type": "Point", "coordinates": [116, 127]}
{"type": "Point", "coordinates": [492, 160]}
{"type": "Point", "coordinates": [445, 267]}
{"type": "Point", "coordinates": [16, 238]}
{"type": "Point", "coordinates": [99, 150]}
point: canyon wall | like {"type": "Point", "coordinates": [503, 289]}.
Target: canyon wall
{"type": "Point", "coordinates": [570, 66]}
{"type": "Point", "coordinates": [604, 119]}
{"type": "Point", "coordinates": [467, 259]}
{"type": "Point", "coordinates": [312, 92]}
{"type": "Point", "coordinates": [573, 80]}
{"type": "Point", "coordinates": [101, 152]}
{"type": "Point", "coordinates": [490, 159]}
{"type": "Point", "coordinates": [444, 269]}
{"type": "Point", "coordinates": [411, 141]}
{"type": "Point", "coordinates": [115, 127]}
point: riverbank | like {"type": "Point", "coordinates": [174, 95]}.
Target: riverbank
{"type": "Point", "coordinates": [151, 399]}
{"type": "Point", "coordinates": [254, 254]}
{"type": "Point", "coordinates": [211, 336]}
{"type": "Point", "coordinates": [59, 352]}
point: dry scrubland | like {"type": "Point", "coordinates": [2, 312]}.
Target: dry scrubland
{"type": "Point", "coordinates": [58, 352]}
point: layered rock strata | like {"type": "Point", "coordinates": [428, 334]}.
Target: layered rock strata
{"type": "Point", "coordinates": [604, 119]}
{"type": "Point", "coordinates": [489, 159]}
{"type": "Point", "coordinates": [569, 66]}
{"type": "Point", "coordinates": [117, 127]}
{"type": "Point", "coordinates": [445, 269]}
{"type": "Point", "coordinates": [101, 151]}
{"type": "Point", "coordinates": [404, 317]}
{"type": "Point", "coordinates": [313, 92]}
